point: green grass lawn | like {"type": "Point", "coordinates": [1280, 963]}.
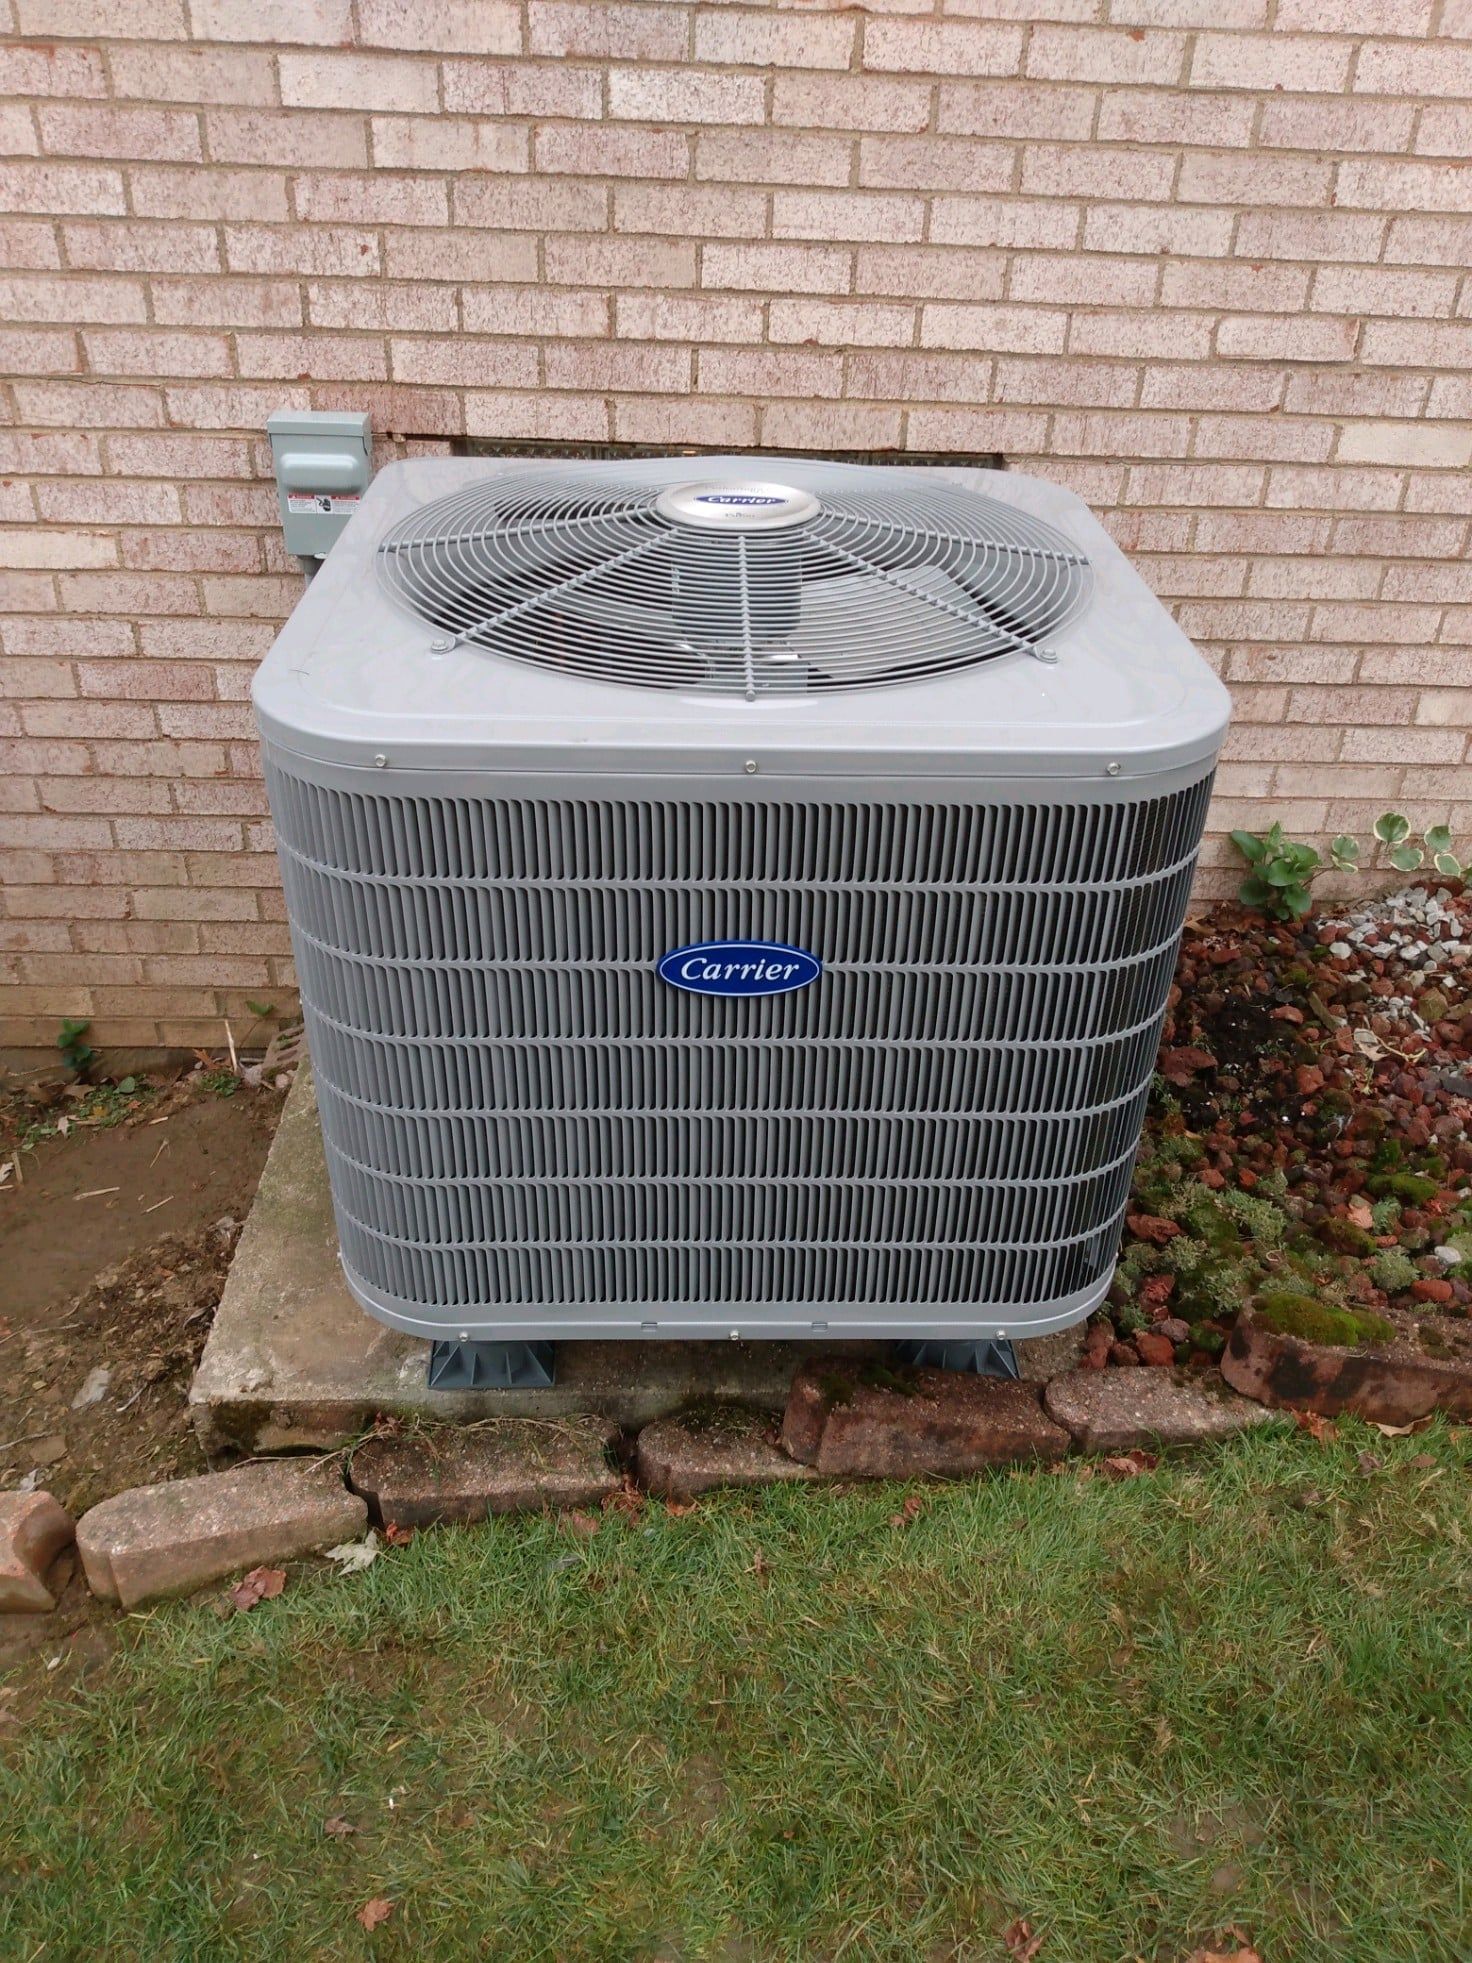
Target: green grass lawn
{"type": "Point", "coordinates": [1232, 1691]}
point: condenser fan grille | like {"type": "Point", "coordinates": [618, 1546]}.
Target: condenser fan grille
{"type": "Point", "coordinates": [835, 578]}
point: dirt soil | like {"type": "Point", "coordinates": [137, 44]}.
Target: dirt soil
{"type": "Point", "coordinates": [93, 1198]}
{"type": "Point", "coordinates": [122, 1282]}
{"type": "Point", "coordinates": [113, 1253]}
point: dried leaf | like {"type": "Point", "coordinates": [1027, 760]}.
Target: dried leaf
{"type": "Point", "coordinates": [1243, 1955]}
{"type": "Point", "coordinates": [352, 1556]}
{"type": "Point", "coordinates": [1401, 1431]}
{"type": "Point", "coordinates": [1128, 1465]}
{"type": "Point", "coordinates": [761, 1567]}
{"type": "Point", "coordinates": [397, 1536]}
{"type": "Point", "coordinates": [285, 1049]}
{"type": "Point", "coordinates": [1361, 1215]}
{"type": "Point", "coordinates": [374, 1912]}
{"type": "Point", "coordinates": [1319, 1428]}
{"type": "Point", "coordinates": [908, 1511]}
{"type": "Point", "coordinates": [628, 1500]}
{"type": "Point", "coordinates": [337, 1828]}
{"type": "Point", "coordinates": [677, 1509]}
{"type": "Point", "coordinates": [260, 1585]}
{"type": "Point", "coordinates": [93, 1387]}
{"type": "Point", "coordinates": [585, 1524]}
{"type": "Point", "coordinates": [1021, 1942]}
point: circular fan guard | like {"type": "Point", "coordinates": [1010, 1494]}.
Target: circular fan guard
{"type": "Point", "coordinates": [883, 582]}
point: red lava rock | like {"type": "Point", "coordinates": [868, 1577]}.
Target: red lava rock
{"type": "Point", "coordinates": [942, 1422]}
{"type": "Point", "coordinates": [1431, 1289]}
{"type": "Point", "coordinates": [1154, 1348]}
{"type": "Point", "coordinates": [1174, 1328]}
{"type": "Point", "coordinates": [1381, 1385]}
{"type": "Point", "coordinates": [1212, 1178]}
{"type": "Point", "coordinates": [1097, 1344]}
{"type": "Point", "coordinates": [1150, 1227]}
{"type": "Point", "coordinates": [1309, 1078]}
{"type": "Point", "coordinates": [1123, 1355]}
{"type": "Point", "coordinates": [1179, 1066]}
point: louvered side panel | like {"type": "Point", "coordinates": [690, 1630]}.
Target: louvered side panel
{"type": "Point", "coordinates": [523, 1121]}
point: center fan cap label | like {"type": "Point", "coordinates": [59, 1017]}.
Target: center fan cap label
{"type": "Point", "coordinates": [756, 505]}
{"type": "Point", "coordinates": [739, 968]}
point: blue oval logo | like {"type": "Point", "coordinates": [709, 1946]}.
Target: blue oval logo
{"type": "Point", "coordinates": [735, 497]}
{"type": "Point", "coordinates": [739, 968]}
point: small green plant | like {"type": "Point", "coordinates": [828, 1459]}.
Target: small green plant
{"type": "Point", "coordinates": [99, 1107]}
{"type": "Point", "coordinates": [76, 1052]}
{"type": "Point", "coordinates": [1393, 837]}
{"type": "Point", "coordinates": [1283, 870]}
{"type": "Point", "coordinates": [1393, 1270]}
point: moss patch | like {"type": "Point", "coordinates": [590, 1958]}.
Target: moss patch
{"type": "Point", "coordinates": [1410, 1187]}
{"type": "Point", "coordinates": [1292, 1314]}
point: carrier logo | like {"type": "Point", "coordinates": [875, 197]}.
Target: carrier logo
{"type": "Point", "coordinates": [739, 968]}
{"type": "Point", "coordinates": [736, 497]}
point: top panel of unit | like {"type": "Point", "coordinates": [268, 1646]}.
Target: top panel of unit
{"type": "Point", "coordinates": [662, 613]}
{"type": "Point", "coordinates": [734, 585]}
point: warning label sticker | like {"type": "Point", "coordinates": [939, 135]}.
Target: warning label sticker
{"type": "Point", "coordinates": [326, 502]}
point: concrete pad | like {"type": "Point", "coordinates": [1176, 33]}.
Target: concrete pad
{"type": "Point", "coordinates": [293, 1362]}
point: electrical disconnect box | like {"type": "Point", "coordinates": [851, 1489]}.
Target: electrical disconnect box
{"type": "Point", "coordinates": [323, 460]}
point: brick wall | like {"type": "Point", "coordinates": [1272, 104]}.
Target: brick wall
{"type": "Point", "coordinates": [1203, 260]}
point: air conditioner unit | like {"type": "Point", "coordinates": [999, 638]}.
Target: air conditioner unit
{"type": "Point", "coordinates": [732, 897]}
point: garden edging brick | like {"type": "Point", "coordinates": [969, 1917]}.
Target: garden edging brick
{"type": "Point", "coordinates": [1384, 1385]}
{"type": "Point", "coordinates": [156, 1541]}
